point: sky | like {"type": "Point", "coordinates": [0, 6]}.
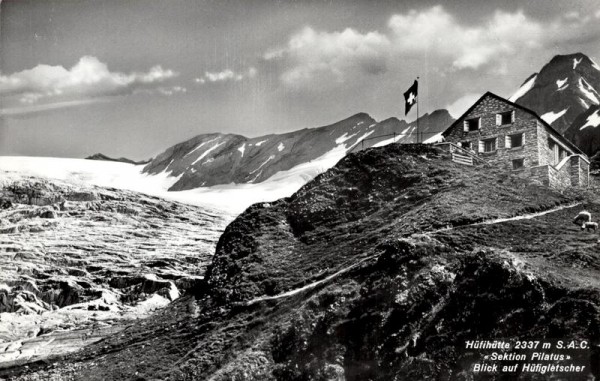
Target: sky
{"type": "Point", "coordinates": [131, 78]}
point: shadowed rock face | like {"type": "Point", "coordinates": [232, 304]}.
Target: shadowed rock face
{"type": "Point", "coordinates": [584, 132]}
{"type": "Point", "coordinates": [379, 269]}
{"type": "Point", "coordinates": [213, 159]}
{"type": "Point", "coordinates": [567, 83]}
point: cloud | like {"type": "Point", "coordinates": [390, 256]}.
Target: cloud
{"type": "Point", "coordinates": [319, 58]}
{"type": "Point", "coordinates": [88, 78]}
{"type": "Point", "coordinates": [172, 90]}
{"type": "Point", "coordinates": [468, 47]}
{"type": "Point", "coordinates": [331, 56]}
{"type": "Point", "coordinates": [26, 111]}
{"type": "Point", "coordinates": [226, 76]}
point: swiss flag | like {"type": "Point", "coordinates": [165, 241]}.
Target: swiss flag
{"type": "Point", "coordinates": [410, 96]}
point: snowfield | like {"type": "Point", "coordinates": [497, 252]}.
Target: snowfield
{"type": "Point", "coordinates": [233, 198]}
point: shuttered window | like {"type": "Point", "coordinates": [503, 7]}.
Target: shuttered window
{"type": "Point", "coordinates": [513, 141]}
{"type": "Point", "coordinates": [505, 118]}
{"type": "Point", "coordinates": [516, 140]}
{"type": "Point", "coordinates": [471, 124]}
{"type": "Point", "coordinates": [488, 145]}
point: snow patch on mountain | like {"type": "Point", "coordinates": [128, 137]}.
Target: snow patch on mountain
{"type": "Point", "coordinates": [576, 62]}
{"type": "Point", "coordinates": [200, 146]}
{"type": "Point", "coordinates": [280, 147]}
{"type": "Point", "coordinates": [260, 143]}
{"type": "Point", "coordinates": [551, 116]}
{"type": "Point", "coordinates": [560, 83]}
{"type": "Point", "coordinates": [263, 164]}
{"type": "Point", "coordinates": [595, 65]}
{"type": "Point", "coordinates": [588, 91]}
{"type": "Point", "coordinates": [592, 121]}
{"type": "Point", "coordinates": [388, 141]}
{"type": "Point", "coordinates": [168, 165]}
{"type": "Point", "coordinates": [398, 137]}
{"type": "Point", "coordinates": [235, 198]}
{"type": "Point", "coordinates": [363, 137]}
{"type": "Point", "coordinates": [207, 152]}
{"type": "Point", "coordinates": [523, 89]}
{"type": "Point", "coordinates": [344, 137]}
{"type": "Point", "coordinates": [434, 139]}
{"type": "Point", "coordinates": [242, 149]}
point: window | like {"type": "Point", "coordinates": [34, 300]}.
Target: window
{"type": "Point", "coordinates": [503, 118]}
{"type": "Point", "coordinates": [465, 145]}
{"type": "Point", "coordinates": [488, 145]}
{"type": "Point", "coordinates": [513, 141]}
{"type": "Point", "coordinates": [518, 164]}
{"type": "Point", "coordinates": [471, 124]}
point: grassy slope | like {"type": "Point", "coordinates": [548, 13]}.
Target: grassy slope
{"type": "Point", "coordinates": [403, 314]}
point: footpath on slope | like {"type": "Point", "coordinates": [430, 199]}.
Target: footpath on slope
{"type": "Point", "coordinates": [352, 266]}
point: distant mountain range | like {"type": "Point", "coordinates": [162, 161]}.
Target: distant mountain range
{"type": "Point", "coordinates": [564, 93]}
{"type": "Point", "coordinates": [214, 159]}
{"type": "Point", "coordinates": [99, 156]}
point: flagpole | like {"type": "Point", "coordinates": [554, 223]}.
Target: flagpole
{"type": "Point", "coordinates": [418, 138]}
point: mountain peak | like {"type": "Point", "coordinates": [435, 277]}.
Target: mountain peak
{"type": "Point", "coordinates": [565, 87]}
{"type": "Point", "coordinates": [573, 61]}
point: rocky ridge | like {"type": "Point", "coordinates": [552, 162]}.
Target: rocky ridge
{"type": "Point", "coordinates": [100, 156]}
{"type": "Point", "coordinates": [213, 159]}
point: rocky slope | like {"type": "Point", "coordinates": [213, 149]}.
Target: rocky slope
{"type": "Point", "coordinates": [564, 88]}
{"type": "Point", "coordinates": [379, 269]}
{"type": "Point", "coordinates": [213, 159]}
{"type": "Point", "coordinates": [76, 261]}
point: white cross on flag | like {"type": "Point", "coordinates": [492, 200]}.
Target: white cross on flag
{"type": "Point", "coordinates": [410, 97]}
